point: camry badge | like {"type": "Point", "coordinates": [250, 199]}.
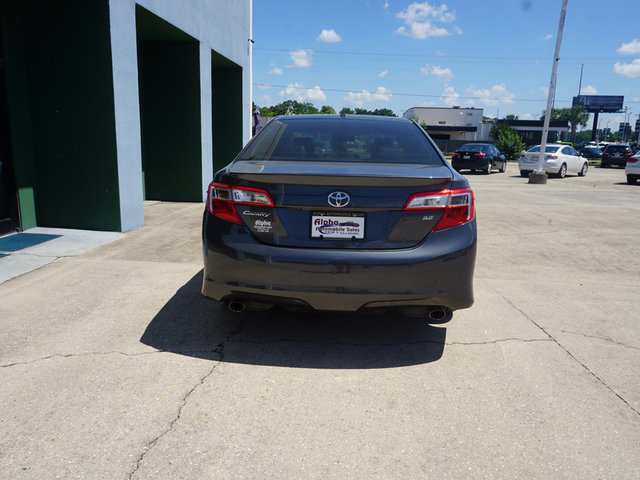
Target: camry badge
{"type": "Point", "coordinates": [338, 199]}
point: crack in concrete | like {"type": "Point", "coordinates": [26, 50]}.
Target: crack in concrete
{"type": "Point", "coordinates": [216, 351]}
{"type": "Point", "coordinates": [604, 339]}
{"type": "Point", "coordinates": [84, 354]}
{"type": "Point", "coordinates": [566, 350]}
{"type": "Point", "coordinates": [150, 445]}
{"type": "Point", "coordinates": [418, 342]}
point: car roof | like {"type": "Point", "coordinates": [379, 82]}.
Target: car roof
{"type": "Point", "coordinates": [351, 117]}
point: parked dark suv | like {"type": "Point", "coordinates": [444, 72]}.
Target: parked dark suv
{"type": "Point", "coordinates": [616, 154]}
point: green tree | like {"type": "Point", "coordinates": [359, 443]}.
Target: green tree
{"type": "Point", "coordinates": [508, 141]}
{"type": "Point", "coordinates": [328, 110]}
{"type": "Point", "coordinates": [576, 116]}
{"type": "Point", "coordinates": [347, 111]}
{"type": "Point", "coordinates": [511, 116]}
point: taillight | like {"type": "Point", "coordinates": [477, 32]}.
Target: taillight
{"type": "Point", "coordinates": [481, 155]}
{"type": "Point", "coordinates": [550, 157]}
{"type": "Point", "coordinates": [632, 160]}
{"type": "Point", "coordinates": [457, 206]}
{"type": "Point", "coordinates": [523, 156]}
{"type": "Point", "coordinates": [221, 200]}
{"type": "Point", "coordinates": [455, 155]}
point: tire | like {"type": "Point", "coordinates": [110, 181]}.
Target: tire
{"type": "Point", "coordinates": [584, 169]}
{"type": "Point", "coordinates": [487, 169]}
{"type": "Point", "coordinates": [504, 167]}
{"type": "Point", "coordinates": [524, 173]}
{"type": "Point", "coordinates": [632, 179]}
{"type": "Point", "coordinates": [603, 164]}
{"type": "Point", "coordinates": [563, 171]}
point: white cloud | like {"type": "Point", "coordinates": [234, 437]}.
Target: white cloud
{"type": "Point", "coordinates": [383, 73]}
{"type": "Point", "coordinates": [301, 93]}
{"type": "Point", "coordinates": [329, 36]}
{"type": "Point", "coordinates": [381, 94]}
{"type": "Point", "coordinates": [419, 19]}
{"type": "Point", "coordinates": [548, 36]}
{"type": "Point", "coordinates": [527, 116]}
{"type": "Point", "coordinates": [636, 99]}
{"type": "Point", "coordinates": [631, 48]}
{"type": "Point", "coordinates": [458, 30]}
{"type": "Point", "coordinates": [498, 94]}
{"type": "Point", "coordinates": [300, 58]}
{"type": "Point", "coordinates": [386, 5]}
{"type": "Point", "coordinates": [275, 71]}
{"type": "Point", "coordinates": [588, 90]}
{"type": "Point", "coordinates": [545, 91]}
{"type": "Point", "coordinates": [443, 75]}
{"type": "Point", "coordinates": [631, 70]}
{"type": "Point", "coordinates": [266, 100]}
{"type": "Point", "coordinates": [263, 86]}
{"type": "Point", "coordinates": [449, 96]}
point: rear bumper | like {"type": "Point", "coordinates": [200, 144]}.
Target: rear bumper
{"type": "Point", "coordinates": [473, 164]}
{"type": "Point", "coordinates": [549, 167]}
{"type": "Point", "coordinates": [437, 272]}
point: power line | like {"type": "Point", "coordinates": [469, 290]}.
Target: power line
{"type": "Point", "coordinates": [420, 95]}
{"type": "Point", "coordinates": [418, 55]}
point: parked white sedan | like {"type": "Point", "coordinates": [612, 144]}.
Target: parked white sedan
{"type": "Point", "coordinates": [558, 160]}
{"type": "Point", "coordinates": [632, 170]}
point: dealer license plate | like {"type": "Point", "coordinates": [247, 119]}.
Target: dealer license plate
{"type": "Point", "coordinates": [337, 225]}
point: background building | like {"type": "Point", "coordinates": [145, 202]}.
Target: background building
{"type": "Point", "coordinates": [451, 128]}
{"type": "Point", "coordinates": [105, 103]}
{"type": "Point", "coordinates": [449, 123]}
{"type": "Point", "coordinates": [624, 130]}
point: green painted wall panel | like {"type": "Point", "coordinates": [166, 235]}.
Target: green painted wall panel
{"type": "Point", "coordinates": [169, 75]}
{"type": "Point", "coordinates": [227, 113]}
{"type": "Point", "coordinates": [67, 65]}
{"type": "Point", "coordinates": [19, 111]}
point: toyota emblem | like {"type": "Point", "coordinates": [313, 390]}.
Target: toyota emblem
{"type": "Point", "coordinates": [338, 199]}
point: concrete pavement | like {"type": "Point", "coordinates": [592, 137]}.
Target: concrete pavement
{"type": "Point", "coordinates": [114, 366]}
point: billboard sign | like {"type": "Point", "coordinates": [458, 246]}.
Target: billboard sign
{"type": "Point", "coordinates": [600, 103]}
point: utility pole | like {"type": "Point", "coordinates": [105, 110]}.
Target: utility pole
{"type": "Point", "coordinates": [539, 175]}
{"type": "Point", "coordinates": [580, 84]}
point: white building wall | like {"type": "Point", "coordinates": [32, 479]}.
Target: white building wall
{"type": "Point", "coordinates": [220, 25]}
{"type": "Point", "coordinates": [124, 56]}
{"type": "Point", "coordinates": [471, 117]}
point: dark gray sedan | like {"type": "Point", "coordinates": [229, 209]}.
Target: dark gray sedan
{"type": "Point", "coordinates": [482, 157]}
{"type": "Point", "coordinates": [340, 213]}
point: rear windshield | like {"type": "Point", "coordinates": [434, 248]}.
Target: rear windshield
{"type": "Point", "coordinates": [618, 149]}
{"type": "Point", "coordinates": [342, 140]}
{"type": "Point", "coordinates": [473, 148]}
{"type": "Point", "coordinates": [547, 149]}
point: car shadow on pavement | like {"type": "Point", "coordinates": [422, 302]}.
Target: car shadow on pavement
{"type": "Point", "coordinates": [190, 324]}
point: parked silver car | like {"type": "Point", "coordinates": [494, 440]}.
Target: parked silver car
{"type": "Point", "coordinates": [558, 160]}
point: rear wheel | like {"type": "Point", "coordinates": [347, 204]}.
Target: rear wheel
{"type": "Point", "coordinates": [603, 164]}
{"type": "Point", "coordinates": [504, 167]}
{"type": "Point", "coordinates": [487, 169]}
{"type": "Point", "coordinates": [632, 179]}
{"type": "Point", "coordinates": [563, 171]}
{"type": "Point", "coordinates": [524, 173]}
{"type": "Point", "coordinates": [583, 172]}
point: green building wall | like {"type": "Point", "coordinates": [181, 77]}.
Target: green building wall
{"type": "Point", "coordinates": [169, 75]}
{"type": "Point", "coordinates": [59, 83]}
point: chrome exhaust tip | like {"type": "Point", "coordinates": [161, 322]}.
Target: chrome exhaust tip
{"type": "Point", "coordinates": [236, 306]}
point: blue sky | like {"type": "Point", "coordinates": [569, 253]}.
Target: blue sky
{"type": "Point", "coordinates": [492, 54]}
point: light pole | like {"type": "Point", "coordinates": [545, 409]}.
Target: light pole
{"type": "Point", "coordinates": [627, 117]}
{"type": "Point", "coordinates": [539, 175]}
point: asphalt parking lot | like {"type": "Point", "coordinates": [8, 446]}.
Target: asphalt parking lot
{"type": "Point", "coordinates": [114, 366]}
